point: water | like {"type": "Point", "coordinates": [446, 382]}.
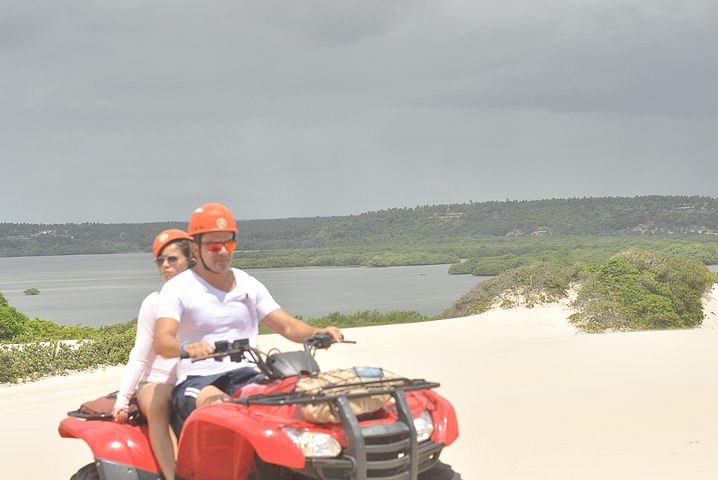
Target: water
{"type": "Point", "coordinates": [104, 289]}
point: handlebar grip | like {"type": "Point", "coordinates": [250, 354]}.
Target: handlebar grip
{"type": "Point", "coordinates": [319, 340]}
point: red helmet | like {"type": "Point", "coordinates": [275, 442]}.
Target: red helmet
{"type": "Point", "coordinates": [166, 237]}
{"type": "Point", "coordinates": [211, 217]}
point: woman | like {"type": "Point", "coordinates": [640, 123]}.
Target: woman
{"type": "Point", "coordinates": [150, 375]}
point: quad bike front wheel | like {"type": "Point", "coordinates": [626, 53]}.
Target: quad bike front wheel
{"type": "Point", "coordinates": [441, 471]}
{"type": "Point", "coordinates": [88, 472]}
{"type": "Point", "coordinates": [267, 471]}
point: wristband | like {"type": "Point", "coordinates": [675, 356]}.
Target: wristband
{"type": "Point", "coordinates": [183, 349]}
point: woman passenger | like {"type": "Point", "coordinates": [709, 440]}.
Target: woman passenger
{"type": "Point", "coordinates": [149, 375]}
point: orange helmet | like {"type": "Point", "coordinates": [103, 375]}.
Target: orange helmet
{"type": "Point", "coordinates": [211, 217]}
{"type": "Point", "coordinates": [166, 237]}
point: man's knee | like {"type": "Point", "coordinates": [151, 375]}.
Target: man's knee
{"type": "Point", "coordinates": [210, 395]}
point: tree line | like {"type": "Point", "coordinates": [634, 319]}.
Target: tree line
{"type": "Point", "coordinates": [425, 224]}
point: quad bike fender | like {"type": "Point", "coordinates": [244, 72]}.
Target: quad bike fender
{"type": "Point", "coordinates": [446, 427]}
{"type": "Point", "coordinates": [120, 443]}
{"type": "Point", "coordinates": [249, 434]}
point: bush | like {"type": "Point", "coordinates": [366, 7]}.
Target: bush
{"type": "Point", "coordinates": [31, 361]}
{"type": "Point", "coordinates": [39, 351]}
{"type": "Point", "coordinates": [530, 285]}
{"type": "Point", "coordinates": [12, 322]}
{"type": "Point", "coordinates": [639, 290]}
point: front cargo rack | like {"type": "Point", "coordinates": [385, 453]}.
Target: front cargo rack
{"type": "Point", "coordinates": [374, 452]}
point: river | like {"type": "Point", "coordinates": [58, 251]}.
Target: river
{"type": "Point", "coordinates": [99, 290]}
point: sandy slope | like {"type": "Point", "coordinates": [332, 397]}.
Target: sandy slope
{"type": "Point", "coordinates": [535, 399]}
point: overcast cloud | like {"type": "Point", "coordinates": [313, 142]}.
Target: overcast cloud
{"type": "Point", "coordinates": [129, 111]}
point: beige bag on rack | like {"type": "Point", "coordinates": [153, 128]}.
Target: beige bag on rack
{"type": "Point", "coordinates": [345, 381]}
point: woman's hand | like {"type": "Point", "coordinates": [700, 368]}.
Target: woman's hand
{"type": "Point", "coordinates": [120, 415]}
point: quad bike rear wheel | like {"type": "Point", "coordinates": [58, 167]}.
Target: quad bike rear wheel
{"type": "Point", "coordinates": [88, 472]}
{"type": "Point", "coordinates": [441, 471]}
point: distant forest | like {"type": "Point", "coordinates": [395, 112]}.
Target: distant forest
{"type": "Point", "coordinates": [403, 229]}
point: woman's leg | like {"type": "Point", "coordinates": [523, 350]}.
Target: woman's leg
{"type": "Point", "coordinates": [155, 402]}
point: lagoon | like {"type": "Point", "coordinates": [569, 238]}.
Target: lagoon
{"type": "Point", "coordinates": [99, 290]}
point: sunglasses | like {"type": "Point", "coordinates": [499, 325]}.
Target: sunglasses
{"type": "Point", "coordinates": [215, 247]}
{"type": "Point", "coordinates": [172, 259]}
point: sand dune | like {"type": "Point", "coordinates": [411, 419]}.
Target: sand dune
{"type": "Point", "coordinates": [535, 399]}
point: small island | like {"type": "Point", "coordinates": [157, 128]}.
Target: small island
{"type": "Point", "coordinates": [31, 291]}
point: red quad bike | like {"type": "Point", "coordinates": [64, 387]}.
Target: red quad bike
{"type": "Point", "coordinates": [262, 433]}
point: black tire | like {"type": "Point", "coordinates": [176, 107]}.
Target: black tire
{"type": "Point", "coordinates": [266, 471]}
{"type": "Point", "coordinates": [88, 472]}
{"type": "Point", "coordinates": [441, 471]}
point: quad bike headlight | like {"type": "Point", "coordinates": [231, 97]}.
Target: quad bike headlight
{"type": "Point", "coordinates": [313, 444]}
{"type": "Point", "coordinates": [424, 426]}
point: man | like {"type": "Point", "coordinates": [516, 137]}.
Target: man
{"type": "Point", "coordinates": [211, 302]}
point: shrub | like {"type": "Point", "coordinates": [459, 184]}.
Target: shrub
{"type": "Point", "coordinates": [38, 349]}
{"type": "Point", "coordinates": [639, 290]}
{"type": "Point", "coordinates": [529, 285]}
{"type": "Point", "coordinates": [12, 322]}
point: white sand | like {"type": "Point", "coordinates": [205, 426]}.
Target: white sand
{"type": "Point", "coordinates": [535, 399]}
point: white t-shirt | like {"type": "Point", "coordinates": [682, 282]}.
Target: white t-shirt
{"type": "Point", "coordinates": [207, 314]}
{"type": "Point", "coordinates": [144, 363]}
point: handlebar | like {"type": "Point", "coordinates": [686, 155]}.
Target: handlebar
{"type": "Point", "coordinates": [223, 348]}
{"type": "Point", "coordinates": [237, 348]}
{"type": "Point", "coordinates": [323, 340]}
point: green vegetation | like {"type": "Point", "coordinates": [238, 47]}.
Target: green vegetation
{"type": "Point", "coordinates": [641, 290]}
{"type": "Point", "coordinates": [433, 229]}
{"type": "Point", "coordinates": [32, 348]}
{"type": "Point", "coordinates": [355, 257]}
{"type": "Point", "coordinates": [16, 327]}
{"type": "Point", "coordinates": [31, 291]}
{"type": "Point", "coordinates": [529, 286]}
{"type": "Point", "coordinates": [490, 237]}
{"type": "Point", "coordinates": [493, 256]}
{"type": "Point", "coordinates": [30, 361]}
{"type": "Point", "coordinates": [633, 290]}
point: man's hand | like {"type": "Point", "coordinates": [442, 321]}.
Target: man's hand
{"type": "Point", "coordinates": [335, 333]}
{"type": "Point", "coordinates": [295, 329]}
{"type": "Point", "coordinates": [198, 349]}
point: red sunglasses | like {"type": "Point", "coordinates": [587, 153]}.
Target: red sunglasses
{"type": "Point", "coordinates": [215, 247]}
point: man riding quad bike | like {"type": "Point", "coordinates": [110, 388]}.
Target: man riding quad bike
{"type": "Point", "coordinates": [291, 422]}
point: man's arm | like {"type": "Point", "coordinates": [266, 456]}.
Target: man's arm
{"type": "Point", "coordinates": [165, 340]}
{"type": "Point", "coordinates": [294, 329]}
{"type": "Point", "coordinates": [166, 344]}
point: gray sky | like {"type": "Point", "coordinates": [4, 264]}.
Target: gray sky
{"type": "Point", "coordinates": [129, 111]}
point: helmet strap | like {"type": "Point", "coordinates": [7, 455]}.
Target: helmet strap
{"type": "Point", "coordinates": [201, 259]}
